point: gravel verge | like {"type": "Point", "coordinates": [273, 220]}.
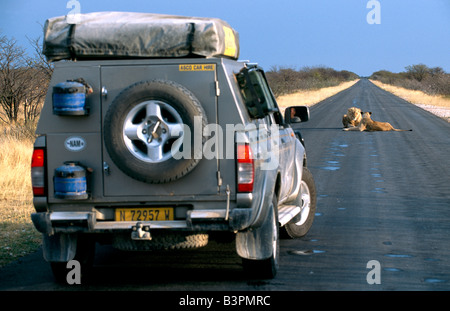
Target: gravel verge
{"type": "Point", "coordinates": [441, 112]}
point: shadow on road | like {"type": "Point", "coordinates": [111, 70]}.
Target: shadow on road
{"type": "Point", "coordinates": [216, 266]}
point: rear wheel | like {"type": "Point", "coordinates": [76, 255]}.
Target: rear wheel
{"type": "Point", "coordinates": [85, 254]}
{"type": "Point", "coordinates": [267, 268]}
{"type": "Point", "coordinates": [300, 224]}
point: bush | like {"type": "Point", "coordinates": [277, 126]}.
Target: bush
{"type": "Point", "coordinates": [288, 80]}
{"type": "Point", "coordinates": [19, 131]}
{"type": "Point", "coordinates": [433, 81]}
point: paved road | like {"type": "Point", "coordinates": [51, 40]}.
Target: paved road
{"type": "Point", "coordinates": [381, 196]}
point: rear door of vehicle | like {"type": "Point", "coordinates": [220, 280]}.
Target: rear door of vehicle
{"type": "Point", "coordinates": [197, 78]}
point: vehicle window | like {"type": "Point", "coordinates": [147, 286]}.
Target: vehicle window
{"type": "Point", "coordinates": [256, 93]}
{"type": "Point", "coordinates": [263, 90]}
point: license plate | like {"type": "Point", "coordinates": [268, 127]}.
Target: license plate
{"type": "Point", "coordinates": [144, 214]}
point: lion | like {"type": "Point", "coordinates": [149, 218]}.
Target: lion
{"type": "Point", "coordinates": [368, 125]}
{"type": "Point", "coordinates": [352, 118]}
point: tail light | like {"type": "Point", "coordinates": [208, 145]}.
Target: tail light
{"type": "Point", "coordinates": [38, 172]}
{"type": "Point", "coordinates": [245, 168]}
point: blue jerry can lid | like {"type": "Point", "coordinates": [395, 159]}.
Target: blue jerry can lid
{"type": "Point", "coordinates": [70, 169]}
{"type": "Point", "coordinates": [69, 87]}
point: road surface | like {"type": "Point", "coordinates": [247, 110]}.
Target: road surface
{"type": "Point", "coordinates": [382, 221]}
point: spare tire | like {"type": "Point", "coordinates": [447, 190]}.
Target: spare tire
{"type": "Point", "coordinates": [162, 240]}
{"type": "Point", "coordinates": [146, 129]}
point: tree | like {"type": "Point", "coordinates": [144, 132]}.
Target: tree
{"type": "Point", "coordinates": [23, 81]}
{"type": "Point", "coordinates": [418, 72]}
{"type": "Point", "coordinates": [12, 78]}
{"type": "Point", "coordinates": [39, 60]}
{"type": "Point", "coordinates": [40, 72]}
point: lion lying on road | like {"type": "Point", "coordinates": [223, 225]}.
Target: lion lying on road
{"type": "Point", "coordinates": [367, 124]}
{"type": "Point", "coordinates": [352, 118]}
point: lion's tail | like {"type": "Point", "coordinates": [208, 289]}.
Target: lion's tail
{"type": "Point", "coordinates": [397, 130]}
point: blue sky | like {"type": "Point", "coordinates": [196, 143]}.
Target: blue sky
{"type": "Point", "coordinates": [289, 33]}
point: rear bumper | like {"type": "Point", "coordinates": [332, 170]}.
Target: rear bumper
{"type": "Point", "coordinates": [196, 220]}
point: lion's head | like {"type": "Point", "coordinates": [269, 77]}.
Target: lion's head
{"type": "Point", "coordinates": [354, 113]}
{"type": "Point", "coordinates": [352, 118]}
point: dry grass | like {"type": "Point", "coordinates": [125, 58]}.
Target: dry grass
{"type": "Point", "coordinates": [312, 97]}
{"type": "Point", "coordinates": [17, 233]}
{"type": "Point", "coordinates": [415, 97]}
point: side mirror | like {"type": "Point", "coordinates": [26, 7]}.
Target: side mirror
{"type": "Point", "coordinates": [296, 114]}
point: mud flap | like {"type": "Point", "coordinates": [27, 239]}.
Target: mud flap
{"type": "Point", "coordinates": [256, 243]}
{"type": "Point", "coordinates": [60, 247]}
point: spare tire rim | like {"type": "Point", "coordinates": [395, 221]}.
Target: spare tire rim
{"type": "Point", "coordinates": [152, 130]}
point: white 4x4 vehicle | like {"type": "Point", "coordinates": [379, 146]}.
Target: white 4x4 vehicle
{"type": "Point", "coordinates": [152, 141]}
